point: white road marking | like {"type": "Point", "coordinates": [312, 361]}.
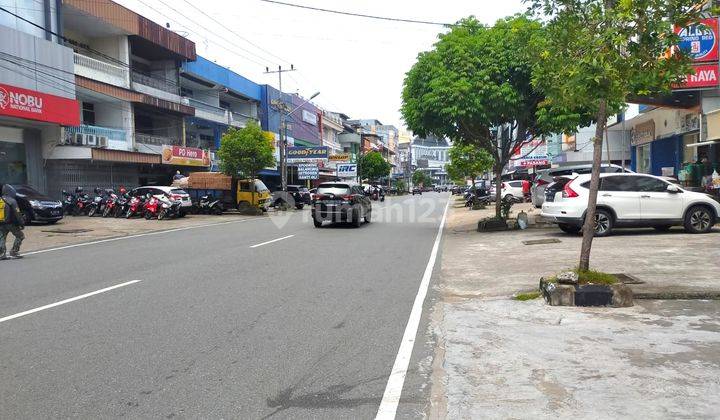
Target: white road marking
{"type": "Point", "coordinates": [139, 235]}
{"type": "Point", "coordinates": [62, 302]}
{"type": "Point", "coordinates": [396, 381]}
{"type": "Point", "coordinates": [274, 240]}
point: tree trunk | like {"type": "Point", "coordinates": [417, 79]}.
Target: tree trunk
{"type": "Point", "coordinates": [589, 226]}
{"type": "Point", "coordinates": [498, 191]}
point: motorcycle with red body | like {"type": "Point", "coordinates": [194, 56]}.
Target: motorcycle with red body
{"type": "Point", "coordinates": [151, 208]}
{"type": "Point", "coordinates": [111, 203]}
{"type": "Point", "coordinates": [135, 207]}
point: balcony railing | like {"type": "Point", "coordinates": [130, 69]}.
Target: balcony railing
{"type": "Point", "coordinates": [209, 112]}
{"type": "Point", "coordinates": [240, 120]}
{"type": "Point", "coordinates": [102, 71]}
{"type": "Point", "coordinates": [155, 83]}
{"type": "Point", "coordinates": [154, 140]}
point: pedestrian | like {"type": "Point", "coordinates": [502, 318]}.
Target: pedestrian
{"type": "Point", "coordinates": [10, 222]}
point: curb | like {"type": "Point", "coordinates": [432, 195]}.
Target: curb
{"type": "Point", "coordinates": [683, 295]}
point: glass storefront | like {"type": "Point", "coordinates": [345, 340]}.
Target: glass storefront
{"type": "Point", "coordinates": [13, 168]}
{"type": "Point", "coordinates": [690, 153]}
{"type": "Point", "coordinates": [643, 159]}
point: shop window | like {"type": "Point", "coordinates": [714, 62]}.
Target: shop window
{"type": "Point", "coordinates": [643, 159]}
{"type": "Point", "coordinates": [88, 113]}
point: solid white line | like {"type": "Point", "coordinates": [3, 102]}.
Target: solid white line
{"type": "Point", "coordinates": [396, 381]}
{"type": "Point", "coordinates": [274, 240]}
{"type": "Point", "coordinates": [139, 235]}
{"type": "Point", "coordinates": [62, 302]}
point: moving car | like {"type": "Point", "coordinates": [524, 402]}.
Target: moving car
{"type": "Point", "coordinates": [341, 202]}
{"type": "Point", "coordinates": [546, 176]}
{"type": "Point", "coordinates": [417, 190]}
{"type": "Point", "coordinates": [632, 200]}
{"type": "Point", "coordinates": [173, 193]}
{"type": "Point", "coordinates": [37, 207]}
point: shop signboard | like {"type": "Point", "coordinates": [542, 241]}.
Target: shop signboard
{"type": "Point", "coordinates": [706, 76]}
{"type": "Point", "coordinates": [531, 153]}
{"type": "Point", "coordinates": [346, 170]}
{"type": "Point", "coordinates": [185, 156]}
{"type": "Point", "coordinates": [32, 105]}
{"type": "Point", "coordinates": [309, 117]}
{"type": "Point", "coordinates": [308, 171]}
{"type": "Point", "coordinates": [700, 40]}
{"type": "Point", "coordinates": [301, 154]}
{"type": "Point", "coordinates": [643, 133]}
{"type": "Point", "coordinates": [339, 157]}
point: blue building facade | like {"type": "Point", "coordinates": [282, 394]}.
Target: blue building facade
{"type": "Point", "coordinates": [304, 125]}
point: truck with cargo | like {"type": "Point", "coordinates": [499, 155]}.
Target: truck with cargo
{"type": "Point", "coordinates": [233, 192]}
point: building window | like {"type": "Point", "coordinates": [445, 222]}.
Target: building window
{"type": "Point", "coordinates": [88, 113]}
{"type": "Point", "coordinates": [690, 153]}
{"type": "Point", "coordinates": [643, 159]}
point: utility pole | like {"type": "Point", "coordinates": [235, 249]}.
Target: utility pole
{"type": "Point", "coordinates": [283, 126]}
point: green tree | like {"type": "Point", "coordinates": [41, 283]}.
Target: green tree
{"type": "Point", "coordinates": [455, 174]}
{"type": "Point", "coordinates": [598, 54]}
{"type": "Point", "coordinates": [373, 166]}
{"type": "Point", "coordinates": [469, 161]}
{"type": "Point", "coordinates": [475, 87]}
{"type": "Point", "coordinates": [245, 152]}
{"type": "Point", "coordinates": [400, 186]}
{"type": "Point", "coordinates": [422, 178]}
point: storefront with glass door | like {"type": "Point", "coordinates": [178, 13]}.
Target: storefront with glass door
{"type": "Point", "coordinates": [13, 158]}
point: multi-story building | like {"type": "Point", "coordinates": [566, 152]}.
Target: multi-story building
{"type": "Point", "coordinates": [127, 77]}
{"type": "Point", "coordinates": [430, 154]}
{"type": "Point", "coordinates": [221, 98]}
{"type": "Point", "coordinates": [37, 89]}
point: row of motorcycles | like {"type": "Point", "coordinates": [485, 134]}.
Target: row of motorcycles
{"type": "Point", "coordinates": [107, 203]}
{"type": "Point", "coordinates": [483, 197]}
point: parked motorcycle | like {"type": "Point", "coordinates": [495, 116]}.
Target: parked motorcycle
{"type": "Point", "coordinates": [110, 204]}
{"type": "Point", "coordinates": [68, 203]}
{"type": "Point", "coordinates": [97, 205]}
{"type": "Point", "coordinates": [168, 208]}
{"type": "Point", "coordinates": [151, 208]}
{"type": "Point", "coordinates": [81, 201]}
{"type": "Point", "coordinates": [135, 207]}
{"type": "Point", "coordinates": [122, 205]}
{"type": "Point", "coordinates": [209, 205]}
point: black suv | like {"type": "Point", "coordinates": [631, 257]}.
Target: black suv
{"type": "Point", "coordinates": [341, 202]}
{"type": "Point", "coordinates": [36, 206]}
{"type": "Point", "coordinates": [300, 194]}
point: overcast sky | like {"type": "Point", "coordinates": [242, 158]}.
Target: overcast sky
{"type": "Point", "coordinates": [357, 64]}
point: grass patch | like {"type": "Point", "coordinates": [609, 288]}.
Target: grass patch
{"type": "Point", "coordinates": [590, 276]}
{"type": "Point", "coordinates": [527, 296]}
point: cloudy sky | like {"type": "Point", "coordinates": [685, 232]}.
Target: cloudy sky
{"type": "Point", "coordinates": [357, 64]}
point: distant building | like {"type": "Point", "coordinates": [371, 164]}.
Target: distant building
{"type": "Point", "coordinates": [430, 154]}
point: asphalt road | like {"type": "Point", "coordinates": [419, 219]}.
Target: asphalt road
{"type": "Point", "coordinates": [307, 326]}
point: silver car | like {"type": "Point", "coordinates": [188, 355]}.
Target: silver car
{"type": "Point", "coordinates": [546, 176]}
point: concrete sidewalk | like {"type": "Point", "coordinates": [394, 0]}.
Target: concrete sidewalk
{"type": "Point", "coordinates": [74, 230]}
{"type": "Point", "coordinates": [499, 358]}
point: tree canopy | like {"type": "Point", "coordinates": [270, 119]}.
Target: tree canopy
{"type": "Point", "coordinates": [374, 166]}
{"type": "Point", "coordinates": [246, 151]}
{"type": "Point", "coordinates": [422, 178]}
{"type": "Point", "coordinates": [469, 161]}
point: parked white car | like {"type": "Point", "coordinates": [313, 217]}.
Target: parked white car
{"type": "Point", "coordinates": [631, 200]}
{"type": "Point", "coordinates": [512, 188]}
{"type": "Point", "coordinates": [545, 177]}
{"type": "Point", "coordinates": [172, 192]}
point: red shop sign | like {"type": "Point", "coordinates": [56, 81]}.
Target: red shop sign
{"type": "Point", "coordinates": [32, 105]}
{"type": "Point", "coordinates": [706, 76]}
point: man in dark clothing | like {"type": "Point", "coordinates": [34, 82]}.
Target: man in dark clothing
{"type": "Point", "coordinates": [13, 224]}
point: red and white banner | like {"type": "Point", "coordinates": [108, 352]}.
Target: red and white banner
{"type": "Point", "coordinates": [185, 156]}
{"type": "Point", "coordinates": [706, 76]}
{"type": "Point", "coordinates": [32, 105]}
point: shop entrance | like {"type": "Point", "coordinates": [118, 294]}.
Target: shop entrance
{"type": "Point", "coordinates": [13, 167]}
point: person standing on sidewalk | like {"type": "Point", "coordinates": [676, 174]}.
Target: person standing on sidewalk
{"type": "Point", "coordinates": [12, 222]}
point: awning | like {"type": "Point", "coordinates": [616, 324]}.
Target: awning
{"type": "Point", "coordinates": [703, 143]}
{"type": "Point", "coordinates": [109, 155]}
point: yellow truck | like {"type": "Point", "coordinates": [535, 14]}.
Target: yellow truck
{"type": "Point", "coordinates": [234, 192]}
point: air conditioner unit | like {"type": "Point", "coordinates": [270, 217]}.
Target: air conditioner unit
{"type": "Point", "coordinates": [90, 140]}
{"type": "Point", "coordinates": [78, 140]}
{"type": "Point", "coordinates": [102, 141]}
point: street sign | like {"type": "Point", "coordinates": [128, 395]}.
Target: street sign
{"type": "Point", "coordinates": [700, 40]}
{"type": "Point", "coordinates": [346, 170]}
{"type": "Point", "coordinates": [308, 171]}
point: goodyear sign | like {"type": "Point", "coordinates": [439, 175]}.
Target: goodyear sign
{"type": "Point", "coordinates": [346, 170]}
{"type": "Point", "coordinates": [301, 154]}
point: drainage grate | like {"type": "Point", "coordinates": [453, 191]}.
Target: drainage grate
{"type": "Point", "coordinates": [542, 241]}
{"type": "Point", "coordinates": [628, 279]}
{"type": "Point", "coordinates": [67, 231]}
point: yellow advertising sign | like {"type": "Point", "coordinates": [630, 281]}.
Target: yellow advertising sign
{"type": "Point", "coordinates": [340, 157]}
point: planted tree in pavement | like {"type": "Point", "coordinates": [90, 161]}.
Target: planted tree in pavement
{"type": "Point", "coordinates": [373, 166]}
{"type": "Point", "coordinates": [245, 152]}
{"type": "Point", "coordinates": [475, 87]}
{"type": "Point", "coordinates": [470, 161]}
{"type": "Point", "coordinates": [598, 55]}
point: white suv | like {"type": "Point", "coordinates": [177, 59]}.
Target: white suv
{"type": "Point", "coordinates": [631, 200]}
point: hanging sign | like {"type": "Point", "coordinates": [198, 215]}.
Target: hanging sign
{"type": "Point", "coordinates": [346, 170]}
{"type": "Point", "coordinates": [308, 171]}
{"type": "Point", "coordinates": [299, 154]}
{"type": "Point", "coordinates": [340, 157]}
{"type": "Point", "coordinates": [700, 40]}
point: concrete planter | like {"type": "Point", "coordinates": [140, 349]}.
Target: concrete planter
{"type": "Point", "coordinates": [492, 225]}
{"type": "Point", "coordinates": [617, 295]}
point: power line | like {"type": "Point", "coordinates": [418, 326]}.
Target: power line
{"type": "Point", "coordinates": [338, 12]}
